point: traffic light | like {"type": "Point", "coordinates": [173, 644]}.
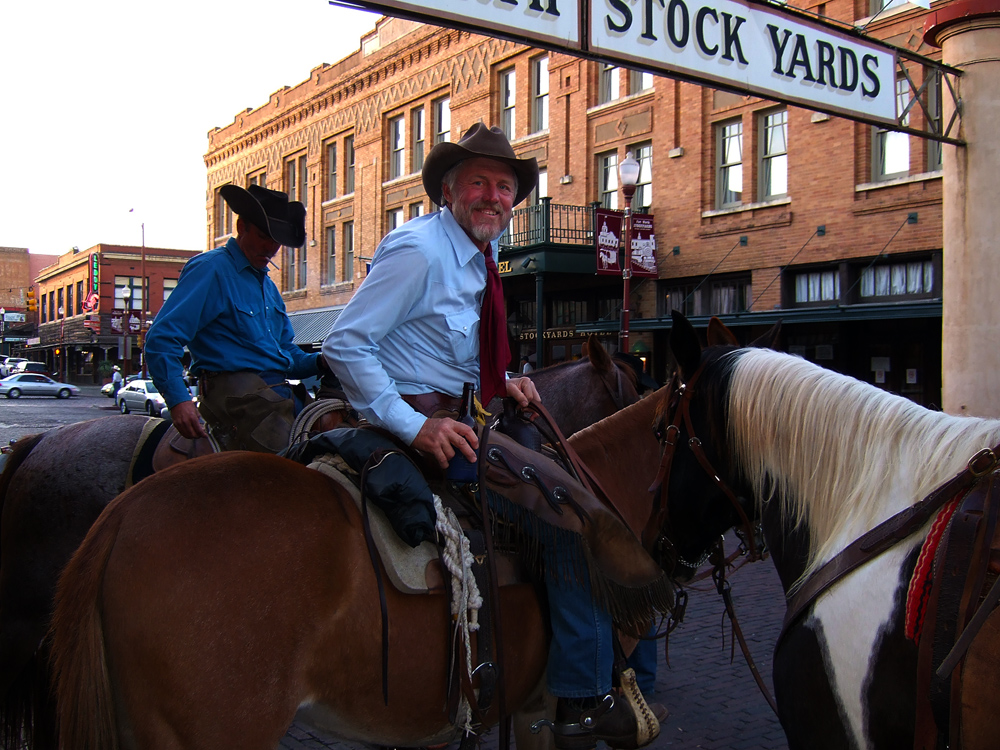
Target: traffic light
{"type": "Point", "coordinates": [32, 305]}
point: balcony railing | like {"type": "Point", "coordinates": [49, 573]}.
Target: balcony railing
{"type": "Point", "coordinates": [549, 223]}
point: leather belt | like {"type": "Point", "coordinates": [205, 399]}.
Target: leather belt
{"type": "Point", "coordinates": [433, 403]}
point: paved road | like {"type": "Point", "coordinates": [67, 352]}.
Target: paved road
{"type": "Point", "coordinates": [713, 703]}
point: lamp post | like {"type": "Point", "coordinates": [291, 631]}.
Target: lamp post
{"type": "Point", "coordinates": [3, 330]}
{"type": "Point", "coordinates": [126, 298]}
{"type": "Point", "coordinates": [628, 172]}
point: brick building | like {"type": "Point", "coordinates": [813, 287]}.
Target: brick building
{"type": "Point", "coordinates": [90, 307]}
{"type": "Point", "coordinates": [18, 269]}
{"type": "Point", "coordinates": [763, 211]}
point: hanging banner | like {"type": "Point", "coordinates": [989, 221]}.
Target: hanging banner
{"type": "Point", "coordinates": [643, 246]}
{"type": "Point", "coordinates": [118, 321]}
{"type": "Point", "coordinates": [608, 240]}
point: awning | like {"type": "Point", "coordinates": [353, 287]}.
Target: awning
{"type": "Point", "coordinates": [312, 326]}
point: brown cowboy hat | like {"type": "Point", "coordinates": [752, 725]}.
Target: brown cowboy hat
{"type": "Point", "coordinates": [270, 211]}
{"type": "Point", "coordinates": [478, 140]}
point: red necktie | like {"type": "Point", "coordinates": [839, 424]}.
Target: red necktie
{"type": "Point", "coordinates": [494, 351]}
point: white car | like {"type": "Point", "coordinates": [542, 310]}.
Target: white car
{"type": "Point", "coordinates": [140, 395]}
{"type": "Point", "coordinates": [9, 365]}
{"type": "Point", "coordinates": [35, 384]}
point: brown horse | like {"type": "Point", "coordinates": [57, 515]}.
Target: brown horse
{"type": "Point", "coordinates": [55, 485]}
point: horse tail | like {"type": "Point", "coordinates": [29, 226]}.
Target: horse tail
{"type": "Point", "coordinates": [85, 704]}
{"type": "Point", "coordinates": [27, 708]}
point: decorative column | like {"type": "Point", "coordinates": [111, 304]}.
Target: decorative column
{"type": "Point", "coordinates": [968, 33]}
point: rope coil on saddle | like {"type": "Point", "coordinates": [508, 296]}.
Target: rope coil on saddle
{"type": "Point", "coordinates": [466, 599]}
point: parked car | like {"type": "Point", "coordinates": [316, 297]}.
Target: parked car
{"type": "Point", "coordinates": [140, 395]}
{"type": "Point", "coordinates": [108, 389]}
{"type": "Point", "coordinates": [37, 367]}
{"type": "Point", "coordinates": [9, 364]}
{"type": "Point", "coordinates": [34, 384]}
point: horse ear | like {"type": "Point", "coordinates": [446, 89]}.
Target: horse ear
{"type": "Point", "coordinates": [685, 345]}
{"type": "Point", "coordinates": [767, 340]}
{"type": "Point", "coordinates": [719, 334]}
{"type": "Point", "coordinates": [598, 355]}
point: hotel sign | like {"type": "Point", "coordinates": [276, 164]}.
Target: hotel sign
{"type": "Point", "coordinates": [741, 45]}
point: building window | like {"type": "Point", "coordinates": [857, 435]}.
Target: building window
{"type": "Point", "coordinates": [540, 94]}
{"type": "Point", "coordinates": [79, 297]}
{"type": "Point", "coordinates": [913, 279]}
{"type": "Point", "coordinates": [394, 219]}
{"type": "Point", "coordinates": [608, 84]}
{"type": "Point", "coordinates": [890, 148]}
{"type": "Point", "coordinates": [541, 188]}
{"type": "Point", "coordinates": [258, 178]}
{"type": "Point", "coordinates": [331, 171]}
{"type": "Point", "coordinates": [880, 5]}
{"type": "Point", "coordinates": [419, 137]}
{"type": "Point", "coordinates": [168, 287]}
{"type": "Point", "coordinates": [134, 285]}
{"type": "Point", "coordinates": [813, 287]}
{"type": "Point", "coordinates": [639, 81]}
{"type": "Point", "coordinates": [774, 155]}
{"type": "Point", "coordinates": [52, 306]}
{"type": "Point", "coordinates": [295, 268]}
{"type": "Point", "coordinates": [330, 276]}
{"type": "Point", "coordinates": [508, 93]}
{"type": "Point", "coordinates": [729, 164]}
{"type": "Point", "coordinates": [935, 107]}
{"type": "Point", "coordinates": [223, 215]}
{"type": "Point", "coordinates": [349, 165]}
{"type": "Point", "coordinates": [723, 296]}
{"type": "Point", "coordinates": [442, 120]}
{"type": "Point", "coordinates": [70, 312]}
{"type": "Point", "coordinates": [348, 269]}
{"type": "Point", "coordinates": [643, 153]}
{"type": "Point", "coordinates": [397, 147]}
{"type": "Point", "coordinates": [416, 209]}
{"type": "Point", "coordinates": [608, 175]}
{"type": "Point", "coordinates": [60, 307]}
{"type": "Point", "coordinates": [297, 179]}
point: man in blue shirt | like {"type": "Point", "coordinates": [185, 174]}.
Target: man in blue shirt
{"type": "Point", "coordinates": [410, 337]}
{"type": "Point", "coordinates": [230, 315]}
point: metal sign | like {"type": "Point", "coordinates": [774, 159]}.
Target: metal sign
{"type": "Point", "coordinates": [608, 241]}
{"type": "Point", "coordinates": [643, 255]}
{"type": "Point", "coordinates": [95, 273]}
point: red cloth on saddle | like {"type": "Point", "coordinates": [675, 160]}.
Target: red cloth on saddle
{"type": "Point", "coordinates": [494, 351]}
{"type": "Point", "coordinates": [919, 591]}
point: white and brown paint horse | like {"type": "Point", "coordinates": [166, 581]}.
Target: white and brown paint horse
{"type": "Point", "coordinates": [821, 458]}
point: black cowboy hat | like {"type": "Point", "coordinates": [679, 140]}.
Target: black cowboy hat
{"type": "Point", "coordinates": [270, 211]}
{"type": "Point", "coordinates": [478, 140]}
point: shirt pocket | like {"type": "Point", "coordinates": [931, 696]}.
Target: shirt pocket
{"type": "Point", "coordinates": [249, 322]}
{"type": "Point", "coordinates": [463, 335]}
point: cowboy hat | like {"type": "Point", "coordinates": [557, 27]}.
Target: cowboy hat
{"type": "Point", "coordinates": [478, 140]}
{"type": "Point", "coordinates": [270, 211]}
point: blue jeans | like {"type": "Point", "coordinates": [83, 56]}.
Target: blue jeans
{"type": "Point", "coordinates": [581, 655]}
{"type": "Point", "coordinates": [643, 662]}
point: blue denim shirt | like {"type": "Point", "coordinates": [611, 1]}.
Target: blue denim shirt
{"type": "Point", "coordinates": [413, 325]}
{"type": "Point", "coordinates": [230, 316]}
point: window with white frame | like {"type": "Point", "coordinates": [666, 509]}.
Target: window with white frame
{"type": "Point", "coordinates": [729, 164]}
{"type": "Point", "coordinates": [223, 215]}
{"type": "Point", "coordinates": [397, 147]}
{"type": "Point", "coordinates": [168, 288]}
{"type": "Point", "coordinates": [508, 95]}
{"type": "Point", "coordinates": [774, 154]}
{"type": "Point", "coordinates": [442, 120]}
{"type": "Point", "coordinates": [890, 148]}
{"type": "Point", "coordinates": [607, 170]}
{"type": "Point", "coordinates": [349, 165]}
{"type": "Point", "coordinates": [643, 153]}
{"type": "Point", "coordinates": [134, 294]}
{"type": "Point", "coordinates": [80, 297]}
{"type": "Point", "coordinates": [331, 170]}
{"type": "Point", "coordinates": [258, 178]}
{"type": "Point", "coordinates": [541, 188]}
{"type": "Point", "coordinates": [418, 134]}
{"type": "Point", "coordinates": [608, 84]}
{"type": "Point", "coordinates": [348, 267]}
{"type": "Point", "coordinates": [639, 81]}
{"type": "Point", "coordinates": [416, 209]}
{"type": "Point", "coordinates": [819, 286]}
{"type": "Point", "coordinates": [540, 94]}
{"type": "Point", "coordinates": [394, 219]}
{"type": "Point", "coordinates": [297, 179]}
{"type": "Point", "coordinates": [294, 268]}
{"type": "Point", "coordinates": [330, 276]}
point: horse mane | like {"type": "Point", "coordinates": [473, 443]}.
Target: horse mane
{"type": "Point", "coordinates": [839, 454]}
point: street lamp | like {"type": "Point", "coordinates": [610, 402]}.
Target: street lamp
{"type": "Point", "coordinates": [628, 172]}
{"type": "Point", "coordinates": [126, 296]}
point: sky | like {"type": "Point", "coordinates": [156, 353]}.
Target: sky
{"type": "Point", "coordinates": [106, 107]}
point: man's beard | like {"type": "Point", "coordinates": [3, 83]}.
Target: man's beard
{"type": "Point", "coordinates": [485, 230]}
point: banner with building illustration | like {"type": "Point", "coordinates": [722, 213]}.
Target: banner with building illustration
{"type": "Point", "coordinates": [610, 235]}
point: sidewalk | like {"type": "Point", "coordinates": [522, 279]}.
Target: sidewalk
{"type": "Point", "coordinates": [713, 703]}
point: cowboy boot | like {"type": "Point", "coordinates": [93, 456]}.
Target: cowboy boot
{"type": "Point", "coordinates": [581, 722]}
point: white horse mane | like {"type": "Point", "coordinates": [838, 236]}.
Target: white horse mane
{"type": "Point", "coordinates": [841, 455]}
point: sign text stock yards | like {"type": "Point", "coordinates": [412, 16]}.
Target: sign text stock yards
{"type": "Point", "coordinates": [748, 46]}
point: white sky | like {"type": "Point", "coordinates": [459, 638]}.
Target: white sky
{"type": "Point", "coordinates": [106, 106]}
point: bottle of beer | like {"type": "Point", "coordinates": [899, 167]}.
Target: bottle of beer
{"type": "Point", "coordinates": [460, 469]}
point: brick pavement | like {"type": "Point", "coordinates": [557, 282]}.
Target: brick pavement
{"type": "Point", "coordinates": [713, 703]}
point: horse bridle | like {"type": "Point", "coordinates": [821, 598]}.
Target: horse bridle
{"type": "Point", "coordinates": [679, 413]}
